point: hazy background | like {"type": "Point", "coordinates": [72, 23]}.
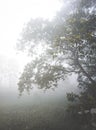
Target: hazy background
{"type": "Point", "coordinates": [13, 15]}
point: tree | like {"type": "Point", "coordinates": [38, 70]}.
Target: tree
{"type": "Point", "coordinates": [71, 48]}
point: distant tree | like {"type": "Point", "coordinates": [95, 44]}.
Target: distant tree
{"type": "Point", "coordinates": [71, 48]}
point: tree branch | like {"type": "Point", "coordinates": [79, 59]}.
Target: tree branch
{"type": "Point", "coordinates": [85, 73]}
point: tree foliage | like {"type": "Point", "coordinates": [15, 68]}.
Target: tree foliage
{"type": "Point", "coordinates": [71, 48]}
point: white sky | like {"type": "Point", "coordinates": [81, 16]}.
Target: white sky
{"type": "Point", "coordinates": [13, 15]}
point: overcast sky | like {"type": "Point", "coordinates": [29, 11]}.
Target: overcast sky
{"type": "Point", "coordinates": [15, 13]}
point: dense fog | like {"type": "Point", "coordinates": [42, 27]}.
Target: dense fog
{"type": "Point", "coordinates": [37, 109]}
{"type": "Point", "coordinates": [48, 65]}
{"type": "Point", "coordinates": [9, 95]}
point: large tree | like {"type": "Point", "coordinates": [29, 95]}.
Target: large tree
{"type": "Point", "coordinates": [70, 47]}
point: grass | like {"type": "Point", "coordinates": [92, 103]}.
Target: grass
{"type": "Point", "coordinates": [45, 116]}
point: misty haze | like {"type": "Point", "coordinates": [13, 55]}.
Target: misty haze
{"type": "Point", "coordinates": [48, 65]}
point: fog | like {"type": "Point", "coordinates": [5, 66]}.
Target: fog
{"type": "Point", "coordinates": [36, 110]}
{"type": "Point", "coordinates": [12, 62]}
{"type": "Point", "coordinates": [37, 106]}
{"type": "Point", "coordinates": [9, 75]}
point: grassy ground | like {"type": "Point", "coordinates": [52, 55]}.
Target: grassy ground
{"type": "Point", "coordinates": [45, 116]}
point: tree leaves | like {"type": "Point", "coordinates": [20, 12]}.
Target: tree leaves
{"type": "Point", "coordinates": [70, 40]}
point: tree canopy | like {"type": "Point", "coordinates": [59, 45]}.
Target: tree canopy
{"type": "Point", "coordinates": [70, 40]}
